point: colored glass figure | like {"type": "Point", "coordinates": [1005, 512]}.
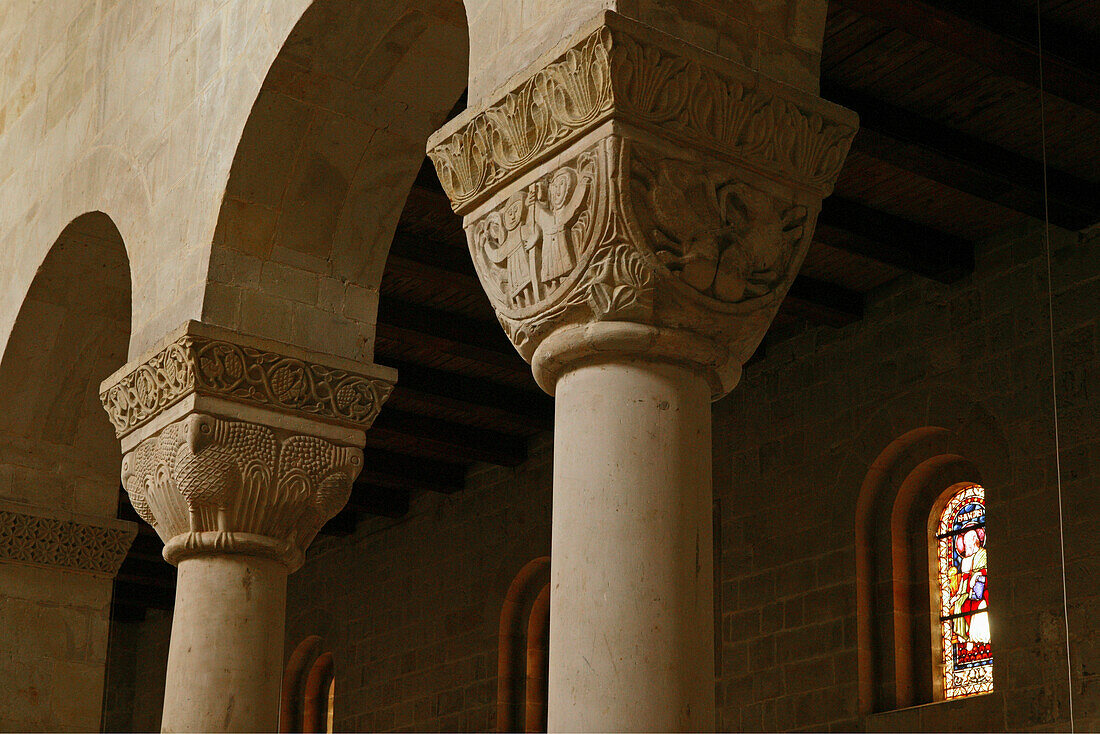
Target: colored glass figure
{"type": "Point", "coordinates": [964, 595]}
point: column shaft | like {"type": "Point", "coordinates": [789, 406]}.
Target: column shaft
{"type": "Point", "coordinates": [631, 630]}
{"type": "Point", "coordinates": [226, 654]}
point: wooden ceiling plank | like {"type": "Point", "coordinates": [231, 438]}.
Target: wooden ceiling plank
{"type": "Point", "coordinates": [823, 302]}
{"type": "Point", "coordinates": [370, 499]}
{"type": "Point", "coordinates": [999, 39]}
{"type": "Point", "coordinates": [962, 162]}
{"type": "Point", "coordinates": [453, 441]}
{"type": "Point", "coordinates": [856, 228]}
{"type": "Point", "coordinates": [478, 396]}
{"type": "Point", "coordinates": [389, 470]}
{"type": "Point", "coordinates": [449, 333]}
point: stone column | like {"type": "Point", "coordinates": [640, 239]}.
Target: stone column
{"type": "Point", "coordinates": [237, 451]}
{"type": "Point", "coordinates": [636, 210]}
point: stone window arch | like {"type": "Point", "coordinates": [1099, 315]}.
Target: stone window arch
{"type": "Point", "coordinates": [909, 482]}
{"type": "Point", "coordinates": [523, 650]}
{"type": "Point", "coordinates": [307, 703]}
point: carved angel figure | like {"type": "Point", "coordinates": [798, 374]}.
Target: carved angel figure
{"type": "Point", "coordinates": [553, 208]}
{"type": "Point", "coordinates": [726, 239]}
{"type": "Point", "coordinates": [502, 242]}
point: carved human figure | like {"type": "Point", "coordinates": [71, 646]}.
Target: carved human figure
{"type": "Point", "coordinates": [553, 208]}
{"type": "Point", "coordinates": [505, 246]}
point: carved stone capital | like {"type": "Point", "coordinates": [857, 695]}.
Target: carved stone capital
{"type": "Point", "coordinates": [233, 444]}
{"type": "Point", "coordinates": [211, 485]}
{"type": "Point", "coordinates": [206, 367]}
{"type": "Point", "coordinates": [639, 195]}
{"type": "Point", "coordinates": [40, 536]}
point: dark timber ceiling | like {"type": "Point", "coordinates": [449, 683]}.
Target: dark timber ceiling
{"type": "Point", "coordinates": [949, 152]}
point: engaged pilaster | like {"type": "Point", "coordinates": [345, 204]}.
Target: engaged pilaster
{"type": "Point", "coordinates": [636, 210]}
{"type": "Point", "coordinates": [236, 451]}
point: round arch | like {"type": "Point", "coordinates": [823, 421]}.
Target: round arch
{"type": "Point", "coordinates": [71, 332]}
{"type": "Point", "coordinates": [323, 168]}
{"type": "Point", "coordinates": [942, 438]}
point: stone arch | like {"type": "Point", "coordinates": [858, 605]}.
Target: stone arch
{"type": "Point", "coordinates": [522, 649]}
{"type": "Point", "coordinates": [950, 439]}
{"type": "Point", "coordinates": [324, 165]}
{"type": "Point", "coordinates": [308, 682]}
{"type": "Point", "coordinates": [71, 332]}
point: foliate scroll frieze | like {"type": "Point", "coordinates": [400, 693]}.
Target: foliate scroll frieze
{"type": "Point", "coordinates": [558, 100]}
{"type": "Point", "coordinates": [197, 364]}
{"type": "Point", "coordinates": [618, 73]}
{"type": "Point", "coordinates": [64, 542]}
{"type": "Point", "coordinates": [206, 483]}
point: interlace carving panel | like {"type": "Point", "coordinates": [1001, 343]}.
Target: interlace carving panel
{"type": "Point", "coordinates": [247, 374]}
{"type": "Point", "coordinates": [52, 541]}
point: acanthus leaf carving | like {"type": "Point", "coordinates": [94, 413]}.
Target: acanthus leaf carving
{"type": "Point", "coordinates": [206, 480]}
{"type": "Point", "coordinates": [618, 72]}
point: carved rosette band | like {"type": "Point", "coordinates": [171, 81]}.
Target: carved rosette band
{"type": "Point", "coordinates": [239, 445]}
{"type": "Point", "coordinates": [210, 485]}
{"type": "Point", "coordinates": [219, 367]}
{"type": "Point", "coordinates": [640, 195]}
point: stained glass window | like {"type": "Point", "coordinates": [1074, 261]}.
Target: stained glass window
{"type": "Point", "coordinates": [964, 594]}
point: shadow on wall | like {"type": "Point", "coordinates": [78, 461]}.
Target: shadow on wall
{"type": "Point", "coordinates": [72, 331]}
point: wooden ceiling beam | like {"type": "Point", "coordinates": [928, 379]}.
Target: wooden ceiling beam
{"type": "Point", "coordinates": [422, 435]}
{"type": "Point", "coordinates": [823, 302]}
{"type": "Point", "coordinates": [370, 499]}
{"type": "Point", "coordinates": [479, 340]}
{"type": "Point", "coordinates": [510, 407]}
{"type": "Point", "coordinates": [965, 163]}
{"type": "Point", "coordinates": [998, 37]}
{"type": "Point", "coordinates": [389, 470]}
{"type": "Point", "coordinates": [859, 229]}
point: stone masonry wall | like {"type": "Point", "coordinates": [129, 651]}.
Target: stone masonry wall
{"type": "Point", "coordinates": [410, 608]}
{"type": "Point", "coordinates": [794, 441]}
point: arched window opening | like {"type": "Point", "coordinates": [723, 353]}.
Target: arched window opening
{"type": "Point", "coordinates": [308, 699]}
{"type": "Point", "coordinates": [914, 572]}
{"type": "Point", "coordinates": [961, 593]}
{"type": "Point", "coordinates": [522, 665]}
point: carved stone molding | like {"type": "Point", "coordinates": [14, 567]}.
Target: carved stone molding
{"type": "Point", "coordinates": [624, 71]}
{"type": "Point", "coordinates": [210, 485]}
{"type": "Point", "coordinates": [641, 195]}
{"type": "Point", "coordinates": [216, 363]}
{"type": "Point", "coordinates": [43, 537]}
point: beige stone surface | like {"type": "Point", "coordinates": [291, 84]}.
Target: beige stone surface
{"type": "Point", "coordinates": [224, 663]}
{"type": "Point", "coordinates": [631, 597]}
{"type": "Point", "coordinates": [53, 647]}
